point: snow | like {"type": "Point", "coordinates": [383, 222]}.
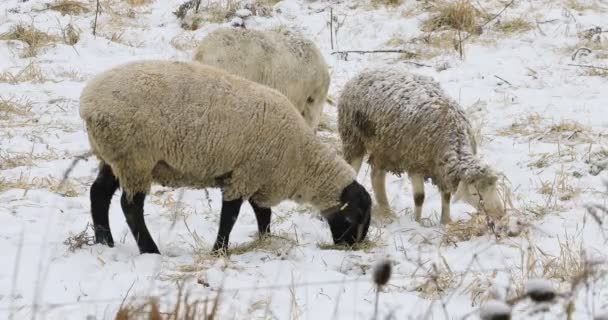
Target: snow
{"type": "Point", "coordinates": [544, 128]}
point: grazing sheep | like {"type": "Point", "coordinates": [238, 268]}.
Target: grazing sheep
{"type": "Point", "coordinates": [406, 123]}
{"type": "Point", "coordinates": [284, 61]}
{"type": "Point", "coordinates": [184, 124]}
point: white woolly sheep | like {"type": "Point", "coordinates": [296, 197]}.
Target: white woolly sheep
{"type": "Point", "coordinates": [185, 124]}
{"type": "Point", "coordinates": [406, 123]}
{"type": "Point", "coordinates": [284, 61]}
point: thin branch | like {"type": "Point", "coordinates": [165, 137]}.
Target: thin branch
{"type": "Point", "coordinates": [331, 27]}
{"type": "Point", "coordinates": [374, 51]}
{"type": "Point", "coordinates": [98, 8]}
{"type": "Point", "coordinates": [587, 66]}
{"type": "Point", "coordinates": [587, 50]}
{"type": "Point", "coordinates": [491, 19]}
{"type": "Point", "coordinates": [503, 80]}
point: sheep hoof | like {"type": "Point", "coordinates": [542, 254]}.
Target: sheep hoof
{"type": "Point", "coordinates": [149, 249]}
{"type": "Point", "coordinates": [104, 236]}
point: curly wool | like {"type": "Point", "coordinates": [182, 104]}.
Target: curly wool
{"type": "Point", "coordinates": [184, 124]}
{"type": "Point", "coordinates": [281, 60]}
{"type": "Point", "coordinates": [407, 124]}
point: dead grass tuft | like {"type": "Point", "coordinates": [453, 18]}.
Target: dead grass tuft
{"type": "Point", "coordinates": [69, 7]}
{"type": "Point", "coordinates": [67, 188]}
{"type": "Point", "coordinates": [34, 38]}
{"type": "Point", "coordinates": [392, 3]}
{"type": "Point", "coordinates": [30, 73]}
{"type": "Point", "coordinates": [137, 3]}
{"type": "Point", "coordinates": [584, 5]}
{"type": "Point", "coordinates": [516, 25]}
{"type": "Point", "coordinates": [13, 106]}
{"type": "Point", "coordinates": [79, 240]}
{"type": "Point", "coordinates": [438, 280]}
{"type": "Point", "coordinates": [15, 160]}
{"type": "Point", "coordinates": [596, 72]}
{"type": "Point", "coordinates": [184, 308]}
{"type": "Point", "coordinates": [465, 230]}
{"type": "Point", "coordinates": [458, 15]}
{"type": "Point", "coordinates": [71, 34]}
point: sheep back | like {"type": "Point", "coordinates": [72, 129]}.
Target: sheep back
{"type": "Point", "coordinates": [184, 124]}
{"type": "Point", "coordinates": [405, 122]}
{"type": "Point", "coordinates": [281, 60]}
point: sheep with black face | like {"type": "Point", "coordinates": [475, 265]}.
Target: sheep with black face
{"type": "Point", "coordinates": [185, 124]}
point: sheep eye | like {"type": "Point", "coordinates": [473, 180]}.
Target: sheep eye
{"type": "Point", "coordinates": [310, 100]}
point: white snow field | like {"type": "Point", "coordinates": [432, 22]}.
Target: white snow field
{"type": "Point", "coordinates": [541, 116]}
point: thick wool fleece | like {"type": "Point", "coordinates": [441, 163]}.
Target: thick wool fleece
{"type": "Point", "coordinates": [407, 124]}
{"type": "Point", "coordinates": [281, 60]}
{"type": "Point", "coordinates": [184, 124]}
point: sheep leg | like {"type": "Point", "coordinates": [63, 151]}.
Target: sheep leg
{"type": "Point", "coordinates": [101, 193]}
{"type": "Point", "coordinates": [445, 207]}
{"type": "Point", "coordinates": [356, 163]}
{"type": "Point", "coordinates": [418, 187]}
{"type": "Point", "coordinates": [228, 215]}
{"type": "Point", "coordinates": [134, 213]}
{"type": "Point", "coordinates": [379, 187]}
{"type": "Point", "coordinates": [262, 215]}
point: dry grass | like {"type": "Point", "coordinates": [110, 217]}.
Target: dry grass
{"type": "Point", "coordinates": [15, 160]}
{"type": "Point", "coordinates": [465, 230]}
{"type": "Point", "coordinates": [184, 308]}
{"type": "Point", "coordinates": [516, 25]}
{"type": "Point", "coordinates": [28, 34]}
{"type": "Point", "coordinates": [536, 127]}
{"type": "Point", "coordinates": [428, 46]}
{"type": "Point", "coordinates": [69, 7]}
{"type": "Point", "coordinates": [584, 5]}
{"type": "Point", "coordinates": [80, 239]}
{"type": "Point", "coordinates": [438, 280]}
{"type": "Point", "coordinates": [13, 106]}
{"type": "Point", "coordinates": [392, 3]}
{"type": "Point", "coordinates": [66, 188]}
{"type": "Point", "coordinates": [594, 72]}
{"type": "Point", "coordinates": [137, 3]}
{"type": "Point", "coordinates": [458, 15]}
{"type": "Point", "coordinates": [30, 73]}
{"type": "Point", "coordinates": [266, 244]}
{"type": "Point", "coordinates": [71, 34]}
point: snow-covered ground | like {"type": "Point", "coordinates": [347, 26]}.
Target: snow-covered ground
{"type": "Point", "coordinates": [542, 122]}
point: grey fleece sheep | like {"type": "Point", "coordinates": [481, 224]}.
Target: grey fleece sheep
{"type": "Point", "coordinates": [185, 124]}
{"type": "Point", "coordinates": [284, 61]}
{"type": "Point", "coordinates": [406, 123]}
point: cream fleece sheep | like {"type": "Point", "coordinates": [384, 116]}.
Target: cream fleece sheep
{"type": "Point", "coordinates": [281, 60]}
{"type": "Point", "coordinates": [406, 123]}
{"type": "Point", "coordinates": [185, 124]}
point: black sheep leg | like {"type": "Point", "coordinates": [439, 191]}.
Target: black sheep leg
{"type": "Point", "coordinates": [101, 193]}
{"type": "Point", "coordinates": [262, 215]}
{"type": "Point", "coordinates": [228, 216]}
{"type": "Point", "coordinates": [134, 213]}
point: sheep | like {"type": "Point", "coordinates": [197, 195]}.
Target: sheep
{"type": "Point", "coordinates": [184, 124]}
{"type": "Point", "coordinates": [281, 60]}
{"type": "Point", "coordinates": [406, 123]}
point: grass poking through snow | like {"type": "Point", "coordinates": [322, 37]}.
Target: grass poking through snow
{"type": "Point", "coordinates": [34, 38]}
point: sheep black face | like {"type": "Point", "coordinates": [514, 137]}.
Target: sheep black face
{"type": "Point", "coordinates": [350, 221]}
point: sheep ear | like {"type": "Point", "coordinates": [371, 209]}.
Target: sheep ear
{"type": "Point", "coordinates": [461, 192]}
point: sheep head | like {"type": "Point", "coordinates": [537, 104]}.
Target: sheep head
{"type": "Point", "coordinates": [350, 220]}
{"type": "Point", "coordinates": [478, 189]}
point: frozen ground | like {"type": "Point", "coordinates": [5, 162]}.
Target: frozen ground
{"type": "Point", "coordinates": [541, 122]}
